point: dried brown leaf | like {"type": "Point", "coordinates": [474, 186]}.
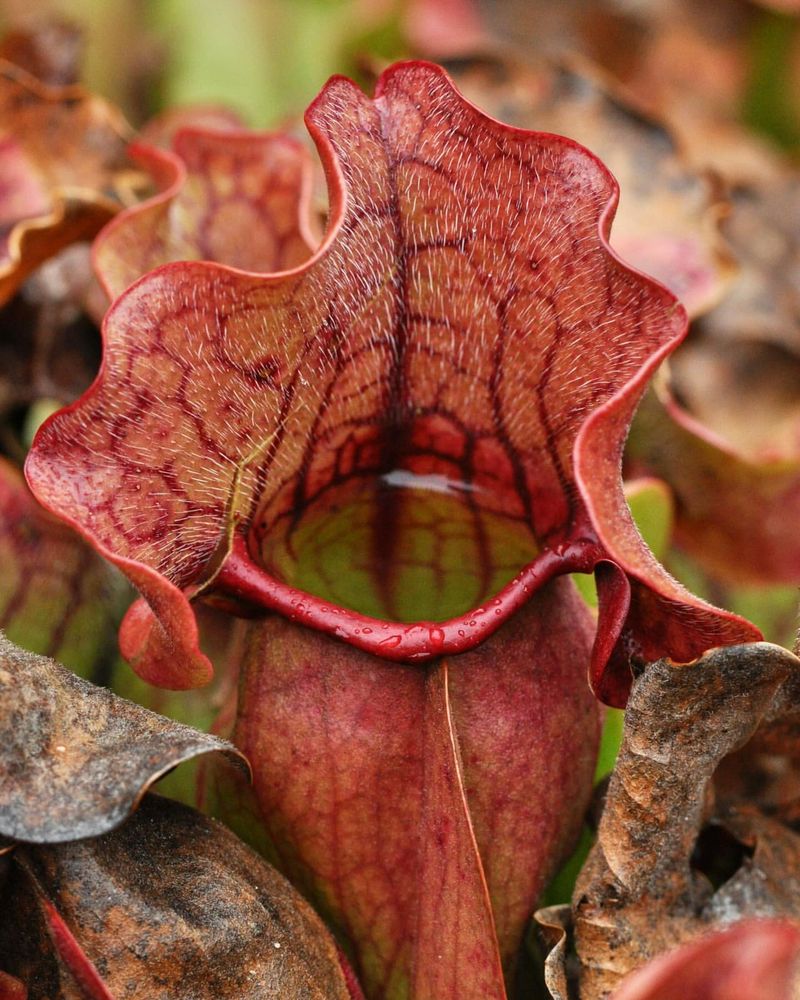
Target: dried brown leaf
{"type": "Point", "coordinates": [65, 170]}
{"type": "Point", "coordinates": [76, 758]}
{"type": "Point", "coordinates": [553, 927]}
{"type": "Point", "coordinates": [169, 907]}
{"type": "Point", "coordinates": [645, 887]}
{"type": "Point", "coordinates": [763, 230]}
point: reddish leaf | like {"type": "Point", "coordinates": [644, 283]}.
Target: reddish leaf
{"type": "Point", "coordinates": [424, 810]}
{"type": "Point", "coordinates": [442, 28]}
{"type": "Point", "coordinates": [448, 329]}
{"type": "Point", "coordinates": [64, 171]}
{"type": "Point", "coordinates": [76, 758]}
{"type": "Point", "coordinates": [56, 596]}
{"type": "Point", "coordinates": [238, 197]}
{"type": "Point", "coordinates": [11, 988]}
{"type": "Point", "coordinates": [668, 215]}
{"type": "Point", "coordinates": [170, 905]}
{"type": "Point", "coordinates": [754, 960]}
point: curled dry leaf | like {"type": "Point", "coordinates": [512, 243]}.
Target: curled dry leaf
{"type": "Point", "coordinates": [65, 171]}
{"type": "Point", "coordinates": [668, 216]}
{"type": "Point", "coordinates": [553, 926]}
{"type": "Point", "coordinates": [57, 597]}
{"type": "Point", "coordinates": [763, 230]}
{"type": "Point", "coordinates": [238, 197]}
{"type": "Point", "coordinates": [752, 960]}
{"type": "Point", "coordinates": [76, 758]}
{"type": "Point", "coordinates": [446, 336]}
{"type": "Point", "coordinates": [648, 884]}
{"type": "Point", "coordinates": [169, 907]}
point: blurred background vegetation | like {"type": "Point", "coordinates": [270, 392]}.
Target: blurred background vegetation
{"type": "Point", "coordinates": [268, 58]}
{"type": "Point", "coordinates": [265, 58]}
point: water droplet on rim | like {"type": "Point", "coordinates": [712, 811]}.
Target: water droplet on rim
{"type": "Point", "coordinates": [436, 637]}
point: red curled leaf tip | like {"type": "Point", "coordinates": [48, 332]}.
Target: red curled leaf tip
{"type": "Point", "coordinates": [228, 195]}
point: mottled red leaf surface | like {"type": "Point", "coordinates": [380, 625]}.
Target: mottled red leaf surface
{"type": "Point", "coordinates": [753, 960]}
{"type": "Point", "coordinates": [76, 758]}
{"type": "Point", "coordinates": [170, 906]}
{"type": "Point", "coordinates": [462, 350]}
{"type": "Point", "coordinates": [64, 170]}
{"type": "Point", "coordinates": [424, 810]}
{"type": "Point", "coordinates": [57, 597]}
{"type": "Point", "coordinates": [238, 197]}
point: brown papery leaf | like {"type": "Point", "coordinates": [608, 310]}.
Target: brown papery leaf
{"type": "Point", "coordinates": [64, 167]}
{"type": "Point", "coordinates": [76, 758]}
{"type": "Point", "coordinates": [648, 884]}
{"type": "Point", "coordinates": [688, 59]}
{"type": "Point", "coordinates": [553, 926]}
{"type": "Point", "coordinates": [169, 907]}
{"type": "Point", "coordinates": [763, 230]}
